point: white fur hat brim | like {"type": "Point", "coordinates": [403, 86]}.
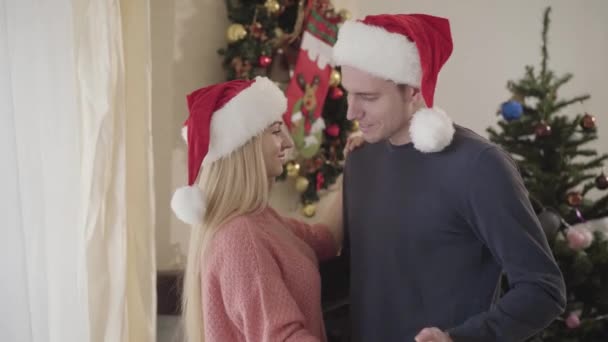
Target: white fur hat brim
{"type": "Point", "coordinates": [378, 52]}
{"type": "Point", "coordinates": [246, 115]}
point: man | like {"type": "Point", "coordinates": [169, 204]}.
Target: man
{"type": "Point", "coordinates": [433, 212]}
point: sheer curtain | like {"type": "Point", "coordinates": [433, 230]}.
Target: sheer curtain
{"type": "Point", "coordinates": [77, 260]}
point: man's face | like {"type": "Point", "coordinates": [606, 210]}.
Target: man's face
{"type": "Point", "coordinates": [382, 108]}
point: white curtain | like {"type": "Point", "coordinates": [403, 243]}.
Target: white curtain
{"type": "Point", "coordinates": [77, 259]}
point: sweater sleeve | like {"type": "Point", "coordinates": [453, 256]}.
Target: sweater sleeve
{"type": "Point", "coordinates": [502, 217]}
{"type": "Point", "coordinates": [255, 296]}
{"type": "Point", "coordinates": [317, 236]}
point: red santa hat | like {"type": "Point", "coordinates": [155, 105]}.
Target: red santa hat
{"type": "Point", "coordinates": [407, 49]}
{"type": "Point", "coordinates": [223, 117]}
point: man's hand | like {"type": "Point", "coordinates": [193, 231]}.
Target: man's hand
{"type": "Point", "coordinates": [352, 143]}
{"type": "Point", "coordinates": [432, 335]}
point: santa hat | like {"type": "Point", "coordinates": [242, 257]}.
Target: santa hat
{"type": "Point", "coordinates": [223, 117]}
{"type": "Point", "coordinates": [407, 49]}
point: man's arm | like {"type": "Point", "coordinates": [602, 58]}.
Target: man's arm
{"type": "Point", "coordinates": [502, 217]}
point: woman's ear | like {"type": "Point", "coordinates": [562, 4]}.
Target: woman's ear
{"type": "Point", "coordinates": [417, 96]}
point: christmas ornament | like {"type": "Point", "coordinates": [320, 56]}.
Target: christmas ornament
{"type": "Point", "coordinates": [333, 130]}
{"type": "Point", "coordinates": [355, 126]}
{"type": "Point", "coordinates": [335, 78]}
{"type": "Point", "coordinates": [272, 6]}
{"type": "Point", "coordinates": [578, 238]}
{"type": "Point", "coordinates": [344, 14]}
{"type": "Point", "coordinates": [293, 169]}
{"type": "Point", "coordinates": [588, 122]}
{"type": "Point", "coordinates": [573, 321]}
{"type": "Point", "coordinates": [302, 184]}
{"type": "Point", "coordinates": [257, 31]}
{"type": "Point", "coordinates": [336, 93]}
{"type": "Point", "coordinates": [511, 110]}
{"type": "Point", "coordinates": [278, 32]}
{"type": "Point", "coordinates": [235, 32]}
{"type": "Point", "coordinates": [550, 221]}
{"type": "Point", "coordinates": [601, 182]}
{"type": "Point", "coordinates": [264, 61]}
{"type": "Point", "coordinates": [542, 130]}
{"type": "Point", "coordinates": [309, 210]}
{"type": "Point", "coordinates": [574, 198]}
{"type": "Point", "coordinates": [320, 181]}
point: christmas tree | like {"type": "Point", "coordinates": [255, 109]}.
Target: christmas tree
{"type": "Point", "coordinates": [290, 42]}
{"type": "Point", "coordinates": [566, 182]}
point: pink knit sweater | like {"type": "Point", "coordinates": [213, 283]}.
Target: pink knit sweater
{"type": "Point", "coordinates": [261, 280]}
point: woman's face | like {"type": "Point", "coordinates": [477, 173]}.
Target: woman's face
{"type": "Point", "coordinates": [275, 142]}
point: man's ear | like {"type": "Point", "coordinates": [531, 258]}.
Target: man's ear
{"type": "Point", "coordinates": [417, 94]}
{"type": "Point", "coordinates": [411, 94]}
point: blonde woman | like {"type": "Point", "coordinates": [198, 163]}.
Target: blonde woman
{"type": "Point", "coordinates": [252, 275]}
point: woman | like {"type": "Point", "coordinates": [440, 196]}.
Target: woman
{"type": "Point", "coordinates": [254, 272]}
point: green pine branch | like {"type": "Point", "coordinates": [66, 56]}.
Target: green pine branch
{"type": "Point", "coordinates": [576, 180]}
{"type": "Point", "coordinates": [544, 52]}
{"type": "Point", "coordinates": [598, 209]}
{"type": "Point", "coordinates": [565, 103]}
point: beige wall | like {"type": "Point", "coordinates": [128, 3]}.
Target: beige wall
{"type": "Point", "coordinates": [493, 41]}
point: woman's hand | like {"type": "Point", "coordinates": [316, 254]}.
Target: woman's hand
{"type": "Point", "coordinates": [352, 143]}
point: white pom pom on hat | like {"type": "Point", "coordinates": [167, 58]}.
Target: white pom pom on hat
{"type": "Point", "coordinates": [431, 130]}
{"type": "Point", "coordinates": [188, 204]}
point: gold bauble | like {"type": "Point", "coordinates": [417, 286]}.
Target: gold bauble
{"type": "Point", "coordinates": [293, 169]}
{"type": "Point", "coordinates": [309, 210]}
{"type": "Point", "coordinates": [235, 33]}
{"type": "Point", "coordinates": [272, 6]}
{"type": "Point", "coordinates": [278, 32]}
{"type": "Point", "coordinates": [335, 78]}
{"type": "Point", "coordinates": [355, 126]}
{"type": "Point", "coordinates": [302, 184]}
{"type": "Point", "coordinates": [344, 14]}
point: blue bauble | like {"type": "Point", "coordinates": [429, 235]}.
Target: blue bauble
{"type": "Point", "coordinates": [511, 110]}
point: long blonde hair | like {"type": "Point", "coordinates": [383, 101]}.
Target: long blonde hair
{"type": "Point", "coordinates": [234, 185]}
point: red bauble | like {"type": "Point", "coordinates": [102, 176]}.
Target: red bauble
{"type": "Point", "coordinates": [588, 122]}
{"type": "Point", "coordinates": [336, 93]}
{"type": "Point", "coordinates": [333, 130]}
{"type": "Point", "coordinates": [265, 61]}
{"type": "Point", "coordinates": [601, 182]}
{"type": "Point", "coordinates": [574, 198]}
{"type": "Point", "coordinates": [542, 130]}
{"type": "Point", "coordinates": [257, 30]}
{"type": "Point", "coordinates": [320, 181]}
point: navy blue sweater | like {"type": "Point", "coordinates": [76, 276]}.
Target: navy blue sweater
{"type": "Point", "coordinates": [428, 236]}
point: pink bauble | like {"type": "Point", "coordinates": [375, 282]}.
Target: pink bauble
{"type": "Point", "coordinates": [573, 321]}
{"type": "Point", "coordinates": [333, 130]}
{"type": "Point", "coordinates": [576, 239]}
